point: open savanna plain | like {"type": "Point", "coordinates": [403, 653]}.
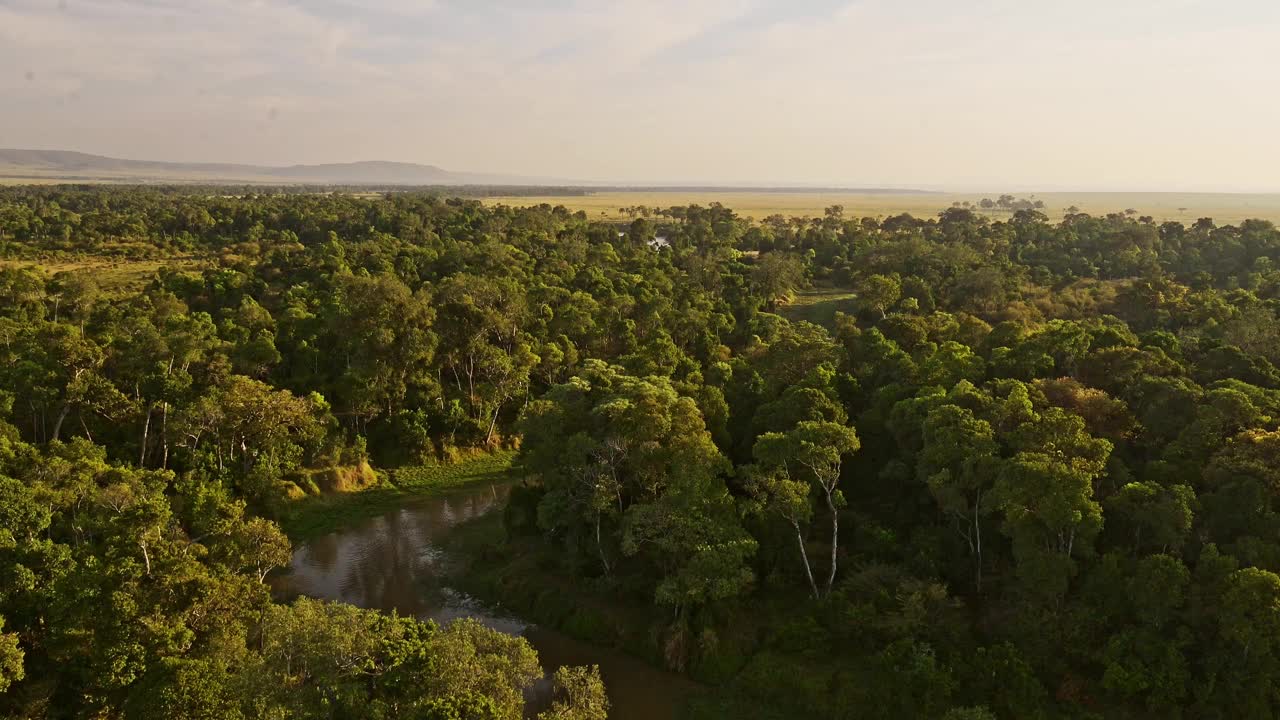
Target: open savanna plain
{"type": "Point", "coordinates": [1183, 207]}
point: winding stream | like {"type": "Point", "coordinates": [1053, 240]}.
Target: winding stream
{"type": "Point", "coordinates": [395, 562]}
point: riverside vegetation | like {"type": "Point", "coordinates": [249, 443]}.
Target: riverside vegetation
{"type": "Point", "coordinates": [1017, 469]}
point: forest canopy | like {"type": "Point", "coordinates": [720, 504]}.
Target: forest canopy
{"type": "Point", "coordinates": [1020, 469]}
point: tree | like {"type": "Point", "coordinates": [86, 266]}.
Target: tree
{"type": "Point", "coordinates": [775, 275]}
{"type": "Point", "coordinates": [878, 293]}
{"type": "Point", "coordinates": [628, 462]}
{"type": "Point", "coordinates": [487, 352]}
{"type": "Point", "coordinates": [1158, 517]}
{"type": "Point", "coordinates": [333, 658]}
{"type": "Point", "coordinates": [245, 426]}
{"type": "Point", "coordinates": [813, 453]}
{"type": "Point", "coordinates": [1244, 655]}
{"type": "Point", "coordinates": [773, 491]}
{"type": "Point", "coordinates": [56, 373]}
{"type": "Point", "coordinates": [382, 337]}
{"type": "Point", "coordinates": [1045, 492]}
{"type": "Point", "coordinates": [959, 461]}
{"type": "Point", "coordinates": [579, 695]}
{"type": "Point", "coordinates": [949, 364]}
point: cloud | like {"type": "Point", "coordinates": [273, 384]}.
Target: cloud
{"type": "Point", "coordinates": [138, 43]}
{"type": "Point", "coordinates": [874, 91]}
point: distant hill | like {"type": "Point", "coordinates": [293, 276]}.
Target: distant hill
{"type": "Point", "coordinates": [77, 167]}
{"type": "Point", "coordinates": [372, 172]}
{"type": "Point", "coordinates": [83, 167]}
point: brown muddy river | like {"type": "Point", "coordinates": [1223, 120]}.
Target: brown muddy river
{"type": "Point", "coordinates": [395, 562]}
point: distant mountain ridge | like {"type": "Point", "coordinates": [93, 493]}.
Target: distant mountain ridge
{"type": "Point", "coordinates": [78, 166]}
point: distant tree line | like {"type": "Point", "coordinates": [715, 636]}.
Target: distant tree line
{"type": "Point", "coordinates": [1006, 203]}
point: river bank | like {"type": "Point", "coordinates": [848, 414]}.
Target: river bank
{"type": "Point", "coordinates": [524, 578]}
{"type": "Point", "coordinates": [724, 668]}
{"type": "Point", "coordinates": [758, 661]}
{"type": "Point", "coordinates": [431, 542]}
{"type": "Point", "coordinates": [314, 516]}
{"type": "Point", "coordinates": [403, 560]}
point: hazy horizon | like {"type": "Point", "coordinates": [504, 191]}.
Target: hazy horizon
{"type": "Point", "coordinates": [1132, 95]}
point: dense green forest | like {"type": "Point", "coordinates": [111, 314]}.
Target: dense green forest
{"type": "Point", "coordinates": [1017, 470]}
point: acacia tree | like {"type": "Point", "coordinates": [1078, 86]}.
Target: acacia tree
{"type": "Point", "coordinates": [812, 452]}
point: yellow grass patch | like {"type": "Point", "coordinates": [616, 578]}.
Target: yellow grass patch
{"type": "Point", "coordinates": [110, 274]}
{"type": "Point", "coordinates": [1185, 207]}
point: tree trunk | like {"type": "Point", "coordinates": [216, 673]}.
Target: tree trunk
{"type": "Point", "coordinates": [471, 383]}
{"type": "Point", "coordinates": [146, 430]}
{"type": "Point", "coordinates": [164, 434]}
{"type": "Point", "coordinates": [492, 423]}
{"type": "Point", "coordinates": [57, 426]}
{"type": "Point", "coordinates": [835, 540]}
{"type": "Point", "coordinates": [977, 534]}
{"type": "Point", "coordinates": [600, 548]}
{"type": "Point", "coordinates": [804, 556]}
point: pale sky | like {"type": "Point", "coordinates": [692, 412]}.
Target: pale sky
{"type": "Point", "coordinates": [976, 95]}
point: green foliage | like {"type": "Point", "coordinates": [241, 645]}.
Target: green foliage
{"type": "Point", "coordinates": [810, 455]}
{"type": "Point", "coordinates": [1059, 499]}
{"type": "Point", "coordinates": [630, 471]}
{"type": "Point", "coordinates": [11, 655]}
{"type": "Point", "coordinates": [327, 657]}
{"type": "Point", "coordinates": [579, 694]}
{"type": "Point", "coordinates": [878, 293]}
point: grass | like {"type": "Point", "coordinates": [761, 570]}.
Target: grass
{"type": "Point", "coordinates": [312, 516]}
{"type": "Point", "coordinates": [819, 306]}
{"type": "Point", "coordinates": [1184, 207]}
{"type": "Point", "coordinates": [111, 275]}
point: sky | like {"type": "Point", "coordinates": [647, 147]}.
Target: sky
{"type": "Point", "coordinates": [1176, 95]}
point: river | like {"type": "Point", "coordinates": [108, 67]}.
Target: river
{"type": "Point", "coordinates": [396, 562]}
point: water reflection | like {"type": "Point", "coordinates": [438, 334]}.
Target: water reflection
{"type": "Point", "coordinates": [395, 562]}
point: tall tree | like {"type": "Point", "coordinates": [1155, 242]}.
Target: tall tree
{"type": "Point", "coordinates": [812, 452]}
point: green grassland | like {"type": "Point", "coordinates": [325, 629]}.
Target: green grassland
{"type": "Point", "coordinates": [1184, 207]}
{"type": "Point", "coordinates": [315, 515]}
{"type": "Point", "coordinates": [819, 306]}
